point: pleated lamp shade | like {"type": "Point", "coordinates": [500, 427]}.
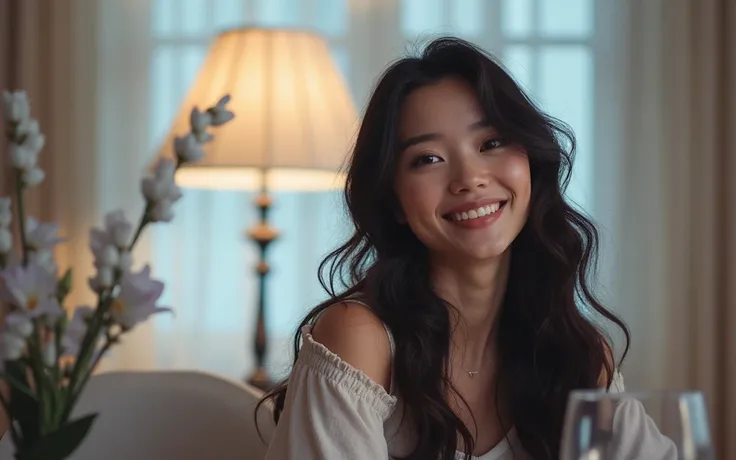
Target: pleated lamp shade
{"type": "Point", "coordinates": [294, 117]}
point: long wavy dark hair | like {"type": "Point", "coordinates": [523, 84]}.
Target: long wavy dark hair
{"type": "Point", "coordinates": [548, 346]}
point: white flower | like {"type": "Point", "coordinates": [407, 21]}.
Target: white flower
{"type": "Point", "coordinates": [220, 114]}
{"type": "Point", "coordinates": [109, 257]}
{"type": "Point", "coordinates": [22, 157]}
{"type": "Point", "coordinates": [6, 213]}
{"type": "Point", "coordinates": [16, 330]}
{"type": "Point", "coordinates": [188, 148]}
{"type": "Point", "coordinates": [119, 228]}
{"type": "Point", "coordinates": [28, 127]}
{"type": "Point", "coordinates": [34, 141]}
{"type": "Point", "coordinates": [28, 141]}
{"type": "Point", "coordinates": [199, 122]}
{"type": "Point", "coordinates": [165, 169]}
{"type": "Point", "coordinates": [162, 211]}
{"type": "Point", "coordinates": [117, 233]}
{"type": "Point", "coordinates": [15, 106]}
{"type": "Point", "coordinates": [125, 260]}
{"type": "Point", "coordinates": [44, 259]}
{"type": "Point", "coordinates": [41, 239]}
{"type": "Point", "coordinates": [158, 189]}
{"type": "Point", "coordinates": [34, 176]}
{"type": "Point", "coordinates": [41, 236]}
{"type": "Point", "coordinates": [137, 298]}
{"type": "Point", "coordinates": [75, 331]}
{"type": "Point", "coordinates": [110, 249]}
{"type": "Point", "coordinates": [161, 191]}
{"type": "Point", "coordinates": [18, 324]}
{"type": "Point", "coordinates": [11, 347]}
{"type": "Point", "coordinates": [6, 240]}
{"type": "Point", "coordinates": [32, 289]}
{"type": "Point", "coordinates": [103, 279]}
{"type": "Point", "coordinates": [161, 185]}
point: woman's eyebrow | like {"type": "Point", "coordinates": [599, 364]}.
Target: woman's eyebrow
{"type": "Point", "coordinates": [426, 137]}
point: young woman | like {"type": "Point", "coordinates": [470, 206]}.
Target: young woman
{"type": "Point", "coordinates": [459, 330]}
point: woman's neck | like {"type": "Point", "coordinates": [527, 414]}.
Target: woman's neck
{"type": "Point", "coordinates": [476, 290]}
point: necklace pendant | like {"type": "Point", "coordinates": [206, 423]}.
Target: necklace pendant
{"type": "Point", "coordinates": [472, 374]}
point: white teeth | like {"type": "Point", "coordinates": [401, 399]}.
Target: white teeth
{"type": "Point", "coordinates": [475, 213]}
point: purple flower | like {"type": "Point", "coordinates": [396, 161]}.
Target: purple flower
{"type": "Point", "coordinates": [32, 289]}
{"type": "Point", "coordinates": [117, 233]}
{"type": "Point", "coordinates": [41, 236]}
{"type": "Point", "coordinates": [137, 298]}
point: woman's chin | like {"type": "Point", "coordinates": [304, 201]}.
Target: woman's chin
{"type": "Point", "coordinates": [473, 255]}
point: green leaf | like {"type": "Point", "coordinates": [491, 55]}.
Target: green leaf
{"type": "Point", "coordinates": [60, 327]}
{"type": "Point", "coordinates": [17, 384]}
{"type": "Point", "coordinates": [64, 285]}
{"type": "Point", "coordinates": [24, 406]}
{"type": "Point", "coordinates": [59, 444]}
{"type": "Point", "coordinates": [17, 370]}
{"type": "Point", "coordinates": [25, 410]}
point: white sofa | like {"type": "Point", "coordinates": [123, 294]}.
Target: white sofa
{"type": "Point", "coordinates": [169, 415]}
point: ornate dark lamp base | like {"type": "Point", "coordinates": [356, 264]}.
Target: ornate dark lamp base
{"type": "Point", "coordinates": [262, 234]}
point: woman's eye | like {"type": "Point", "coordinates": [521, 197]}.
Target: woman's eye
{"type": "Point", "coordinates": [491, 144]}
{"type": "Point", "coordinates": [426, 159]}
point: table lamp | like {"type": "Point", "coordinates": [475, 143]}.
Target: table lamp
{"type": "Point", "coordinates": [294, 121]}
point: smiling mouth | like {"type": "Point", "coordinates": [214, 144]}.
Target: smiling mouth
{"type": "Point", "coordinates": [473, 214]}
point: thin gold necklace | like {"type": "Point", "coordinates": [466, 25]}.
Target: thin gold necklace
{"type": "Point", "coordinates": [471, 374]}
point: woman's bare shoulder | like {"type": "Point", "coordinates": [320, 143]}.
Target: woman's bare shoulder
{"type": "Point", "coordinates": [354, 333]}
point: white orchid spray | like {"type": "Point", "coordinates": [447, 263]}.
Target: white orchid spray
{"type": "Point", "coordinates": [47, 350]}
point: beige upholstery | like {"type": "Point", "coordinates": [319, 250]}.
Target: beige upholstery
{"type": "Point", "coordinates": [169, 415]}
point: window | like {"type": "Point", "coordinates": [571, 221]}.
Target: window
{"type": "Point", "coordinates": [546, 44]}
{"type": "Point", "coordinates": [203, 257]}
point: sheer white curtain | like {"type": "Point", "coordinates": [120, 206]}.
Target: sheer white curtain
{"type": "Point", "coordinates": [49, 52]}
{"type": "Point", "coordinates": [153, 50]}
{"type": "Point", "coordinates": [676, 250]}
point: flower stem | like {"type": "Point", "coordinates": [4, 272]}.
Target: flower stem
{"type": "Point", "coordinates": [19, 189]}
{"type": "Point", "coordinates": [144, 220]}
{"type": "Point", "coordinates": [82, 368]}
{"type": "Point", "coordinates": [59, 329]}
{"type": "Point", "coordinates": [109, 342]}
{"type": "Point", "coordinates": [44, 387]}
{"type": "Point", "coordinates": [85, 354]}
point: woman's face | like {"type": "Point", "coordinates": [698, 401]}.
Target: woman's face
{"type": "Point", "coordinates": [463, 190]}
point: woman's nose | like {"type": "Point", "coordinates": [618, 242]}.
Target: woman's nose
{"type": "Point", "coordinates": [468, 175]}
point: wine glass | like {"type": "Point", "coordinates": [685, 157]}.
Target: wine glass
{"type": "Point", "coordinates": [656, 425]}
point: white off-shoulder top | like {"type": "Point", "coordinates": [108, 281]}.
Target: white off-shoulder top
{"type": "Point", "coordinates": [334, 411]}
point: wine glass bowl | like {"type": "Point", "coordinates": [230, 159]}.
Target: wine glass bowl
{"type": "Point", "coordinates": [653, 425]}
